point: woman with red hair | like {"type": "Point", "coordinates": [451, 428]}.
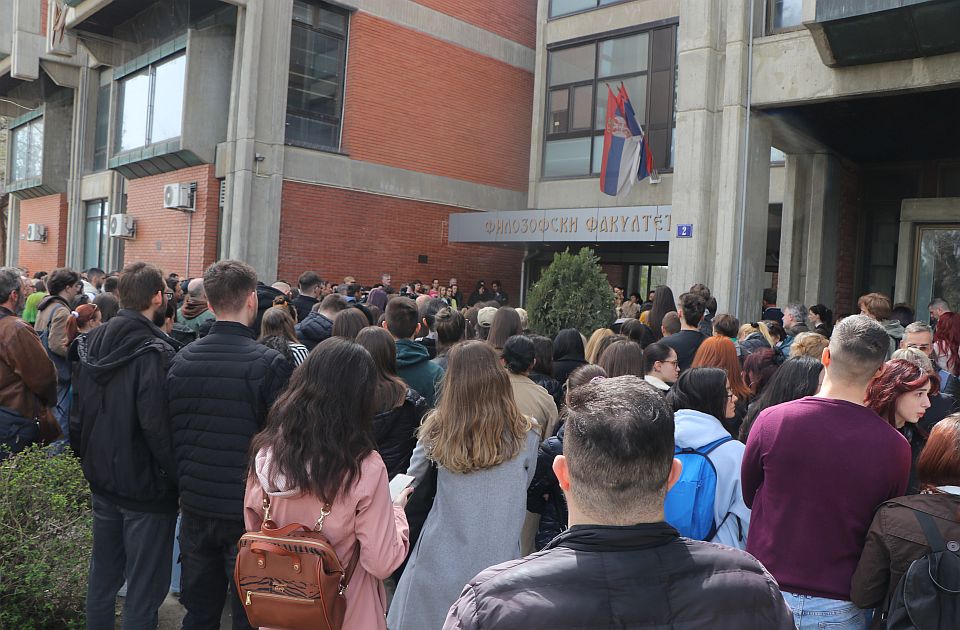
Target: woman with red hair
{"type": "Point", "coordinates": [900, 394]}
{"type": "Point", "coordinates": [895, 538]}
{"type": "Point", "coordinates": [720, 352]}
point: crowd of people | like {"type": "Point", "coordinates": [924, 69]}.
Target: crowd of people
{"type": "Point", "coordinates": [677, 468]}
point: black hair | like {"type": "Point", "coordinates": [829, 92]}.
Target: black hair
{"type": "Point", "coordinates": [430, 310]}
{"type": "Point", "coordinates": [108, 305]}
{"type": "Point", "coordinates": [701, 389]}
{"type": "Point", "coordinates": [544, 355]}
{"type": "Point", "coordinates": [519, 354]}
{"type": "Point", "coordinates": [796, 378]}
{"type": "Point", "coordinates": [770, 296]}
{"type": "Point", "coordinates": [663, 303]}
{"type": "Point", "coordinates": [568, 344]}
{"type": "Point", "coordinates": [824, 313]}
{"type": "Point", "coordinates": [402, 317]}
{"type": "Point", "coordinates": [110, 284]}
{"type": "Point", "coordinates": [692, 307]}
{"type": "Point", "coordinates": [636, 331]}
{"type": "Point", "coordinates": [653, 353]}
{"type": "Point", "coordinates": [61, 278]}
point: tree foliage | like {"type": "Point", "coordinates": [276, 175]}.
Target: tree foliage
{"type": "Point", "coordinates": [46, 538]}
{"type": "Point", "coordinates": [573, 292]}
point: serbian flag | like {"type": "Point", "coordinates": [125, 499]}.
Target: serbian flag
{"type": "Point", "coordinates": [626, 155]}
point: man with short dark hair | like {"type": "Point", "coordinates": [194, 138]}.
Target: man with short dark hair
{"type": "Point", "coordinates": [318, 325]}
{"type": "Point", "coordinates": [688, 340]}
{"type": "Point", "coordinates": [311, 290]}
{"type": "Point", "coordinates": [813, 496]}
{"type": "Point", "coordinates": [770, 310]}
{"type": "Point", "coordinates": [28, 379]}
{"type": "Point", "coordinates": [402, 320]}
{"type": "Point", "coordinates": [937, 307]}
{"type": "Point", "coordinates": [125, 447]}
{"type": "Point", "coordinates": [220, 390]}
{"type": "Point", "coordinates": [620, 565]}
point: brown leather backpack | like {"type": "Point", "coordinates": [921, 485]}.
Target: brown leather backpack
{"type": "Point", "coordinates": [290, 577]}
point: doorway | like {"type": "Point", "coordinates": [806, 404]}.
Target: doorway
{"type": "Point", "coordinates": [928, 261]}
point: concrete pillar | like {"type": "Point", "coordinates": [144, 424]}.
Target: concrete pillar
{"type": "Point", "coordinates": [793, 228]}
{"type": "Point", "coordinates": [13, 231]}
{"type": "Point", "coordinates": [722, 178]}
{"type": "Point", "coordinates": [251, 159]}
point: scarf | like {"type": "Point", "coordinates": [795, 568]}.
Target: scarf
{"type": "Point", "coordinates": [193, 308]}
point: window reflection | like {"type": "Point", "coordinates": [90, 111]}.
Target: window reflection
{"type": "Point", "coordinates": [151, 104]}
{"type": "Point", "coordinates": [27, 151]}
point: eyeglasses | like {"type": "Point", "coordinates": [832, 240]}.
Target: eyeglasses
{"type": "Point", "coordinates": [169, 294]}
{"type": "Point", "coordinates": [919, 346]}
{"type": "Point", "coordinates": [675, 363]}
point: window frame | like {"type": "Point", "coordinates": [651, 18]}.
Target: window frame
{"type": "Point", "coordinates": [103, 242]}
{"type": "Point", "coordinates": [592, 132]}
{"type": "Point", "coordinates": [341, 88]}
{"type": "Point", "coordinates": [770, 29]}
{"type": "Point", "coordinates": [26, 123]}
{"type": "Point", "coordinates": [597, 5]}
{"type": "Point", "coordinates": [116, 113]}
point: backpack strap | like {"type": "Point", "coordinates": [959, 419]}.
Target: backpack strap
{"type": "Point", "coordinates": [934, 538]}
{"type": "Point", "coordinates": [706, 449]}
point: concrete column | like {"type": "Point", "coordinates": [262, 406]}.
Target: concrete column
{"type": "Point", "coordinates": [13, 231]}
{"type": "Point", "coordinates": [84, 118]}
{"type": "Point", "coordinates": [252, 158]}
{"type": "Point", "coordinates": [793, 228]}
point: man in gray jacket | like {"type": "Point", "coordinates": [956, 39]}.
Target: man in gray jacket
{"type": "Point", "coordinates": [619, 565]}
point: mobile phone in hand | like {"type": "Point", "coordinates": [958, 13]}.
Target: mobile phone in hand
{"type": "Point", "coordinates": [399, 483]}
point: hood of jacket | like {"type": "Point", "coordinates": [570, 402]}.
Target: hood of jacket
{"type": "Point", "coordinates": [695, 428]}
{"type": "Point", "coordinates": [411, 353]}
{"type": "Point", "coordinates": [264, 467]}
{"type": "Point", "coordinates": [50, 299]}
{"type": "Point", "coordinates": [124, 338]}
{"type": "Point", "coordinates": [893, 328]}
{"type": "Point", "coordinates": [193, 308]}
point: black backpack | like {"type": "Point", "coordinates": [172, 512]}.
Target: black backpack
{"type": "Point", "coordinates": [928, 595]}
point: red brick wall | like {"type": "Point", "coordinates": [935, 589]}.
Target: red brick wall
{"type": "Point", "coordinates": [340, 232]}
{"type": "Point", "coordinates": [849, 241]}
{"type": "Point", "coordinates": [50, 211]}
{"type": "Point", "coordinates": [422, 104]}
{"type": "Point", "coordinates": [162, 233]}
{"type": "Point", "coordinates": [513, 19]}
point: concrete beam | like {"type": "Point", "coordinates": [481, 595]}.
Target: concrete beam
{"type": "Point", "coordinates": [62, 74]}
{"type": "Point", "coordinates": [79, 13]}
{"type": "Point", "coordinates": [617, 16]}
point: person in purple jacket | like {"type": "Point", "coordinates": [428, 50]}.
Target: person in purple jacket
{"type": "Point", "coordinates": [813, 473]}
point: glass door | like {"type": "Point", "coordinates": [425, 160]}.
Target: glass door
{"type": "Point", "coordinates": [937, 266]}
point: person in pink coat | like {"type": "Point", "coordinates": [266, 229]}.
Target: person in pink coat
{"type": "Point", "coordinates": [322, 423]}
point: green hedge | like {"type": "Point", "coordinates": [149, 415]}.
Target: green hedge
{"type": "Point", "coordinates": [45, 541]}
{"type": "Point", "coordinates": [573, 292]}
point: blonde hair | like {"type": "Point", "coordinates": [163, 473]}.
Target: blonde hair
{"type": "Point", "coordinates": [745, 331]}
{"type": "Point", "coordinates": [593, 346]}
{"type": "Point", "coordinates": [809, 344]}
{"type": "Point", "coordinates": [476, 424]}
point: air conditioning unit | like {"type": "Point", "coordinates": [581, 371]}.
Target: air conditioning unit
{"type": "Point", "coordinates": [122, 226]}
{"type": "Point", "coordinates": [178, 196]}
{"type": "Point", "coordinates": [36, 232]}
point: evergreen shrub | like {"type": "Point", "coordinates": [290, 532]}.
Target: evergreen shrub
{"type": "Point", "coordinates": [573, 292]}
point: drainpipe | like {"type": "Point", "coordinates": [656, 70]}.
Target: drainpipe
{"type": "Point", "coordinates": [744, 172]}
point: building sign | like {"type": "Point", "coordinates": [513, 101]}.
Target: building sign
{"type": "Point", "coordinates": [583, 225]}
{"type": "Point", "coordinates": [685, 230]}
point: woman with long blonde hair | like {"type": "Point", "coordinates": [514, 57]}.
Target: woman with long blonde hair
{"type": "Point", "coordinates": [485, 451]}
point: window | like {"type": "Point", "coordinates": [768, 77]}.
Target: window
{"type": "Point", "coordinates": [103, 123]}
{"type": "Point", "coordinates": [151, 104]}
{"type": "Point", "coordinates": [577, 80]}
{"type": "Point", "coordinates": [96, 234]}
{"type": "Point", "coordinates": [783, 14]}
{"type": "Point", "coordinates": [564, 7]}
{"type": "Point", "coordinates": [26, 149]}
{"type": "Point", "coordinates": [318, 48]}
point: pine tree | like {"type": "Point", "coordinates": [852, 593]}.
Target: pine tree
{"type": "Point", "coordinates": [573, 292]}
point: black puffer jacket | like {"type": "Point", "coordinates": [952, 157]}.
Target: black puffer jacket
{"type": "Point", "coordinates": [544, 497]}
{"type": "Point", "coordinates": [552, 385]}
{"type": "Point", "coordinates": [220, 389]}
{"type": "Point", "coordinates": [641, 576]}
{"type": "Point", "coordinates": [314, 329]}
{"type": "Point", "coordinates": [395, 432]}
{"type": "Point", "coordinates": [265, 297]}
{"type": "Point", "coordinates": [122, 420]}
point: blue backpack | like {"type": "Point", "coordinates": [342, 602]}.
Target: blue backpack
{"type": "Point", "coordinates": [689, 503]}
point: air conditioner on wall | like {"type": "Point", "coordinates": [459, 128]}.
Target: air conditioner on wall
{"type": "Point", "coordinates": [122, 226]}
{"type": "Point", "coordinates": [36, 232]}
{"type": "Point", "coordinates": [178, 196]}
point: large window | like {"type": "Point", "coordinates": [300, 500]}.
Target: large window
{"type": "Point", "coordinates": [577, 80]}
{"type": "Point", "coordinates": [96, 234]}
{"type": "Point", "coordinates": [564, 7]}
{"type": "Point", "coordinates": [318, 48]}
{"type": "Point", "coordinates": [783, 14]}
{"type": "Point", "coordinates": [151, 104]}
{"type": "Point", "coordinates": [103, 124]}
{"type": "Point", "coordinates": [26, 149]}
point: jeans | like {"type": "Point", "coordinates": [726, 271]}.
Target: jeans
{"type": "Point", "coordinates": [132, 544]}
{"type": "Point", "coordinates": [175, 570]}
{"type": "Point", "coordinates": [208, 551]}
{"type": "Point", "coordinates": [820, 613]}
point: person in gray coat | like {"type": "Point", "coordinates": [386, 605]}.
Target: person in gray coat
{"type": "Point", "coordinates": [486, 454]}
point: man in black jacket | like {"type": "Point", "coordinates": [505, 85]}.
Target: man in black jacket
{"type": "Point", "coordinates": [221, 388]}
{"type": "Point", "coordinates": [619, 565]}
{"type": "Point", "coordinates": [311, 289]}
{"type": "Point", "coordinates": [127, 454]}
{"type": "Point", "coordinates": [319, 323]}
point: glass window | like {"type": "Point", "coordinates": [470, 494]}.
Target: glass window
{"type": "Point", "coordinates": [318, 45]}
{"type": "Point", "coordinates": [95, 234]}
{"type": "Point", "coordinates": [151, 104]}
{"type": "Point", "coordinates": [27, 151]}
{"type": "Point", "coordinates": [563, 7]}
{"type": "Point", "coordinates": [103, 124]}
{"type": "Point", "coordinates": [784, 14]}
{"type": "Point", "coordinates": [578, 79]}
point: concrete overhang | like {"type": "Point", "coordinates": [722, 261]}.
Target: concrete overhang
{"type": "Point", "coordinates": [858, 32]}
{"type": "Point", "coordinates": [101, 16]}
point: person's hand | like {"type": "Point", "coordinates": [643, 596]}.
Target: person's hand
{"type": "Point", "coordinates": [403, 497]}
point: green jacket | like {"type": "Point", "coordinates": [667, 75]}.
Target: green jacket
{"type": "Point", "coordinates": [416, 369]}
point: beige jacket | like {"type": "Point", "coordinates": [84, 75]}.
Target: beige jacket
{"type": "Point", "coordinates": [54, 312]}
{"type": "Point", "coordinates": [534, 401]}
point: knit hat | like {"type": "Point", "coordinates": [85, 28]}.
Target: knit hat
{"type": "Point", "coordinates": [485, 316]}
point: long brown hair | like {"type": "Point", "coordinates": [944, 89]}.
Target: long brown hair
{"type": "Point", "coordinates": [719, 352]}
{"type": "Point", "coordinates": [476, 424]}
{"type": "Point", "coordinates": [506, 324]}
{"type": "Point", "coordinates": [277, 322]}
{"type": "Point", "coordinates": [390, 390]}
